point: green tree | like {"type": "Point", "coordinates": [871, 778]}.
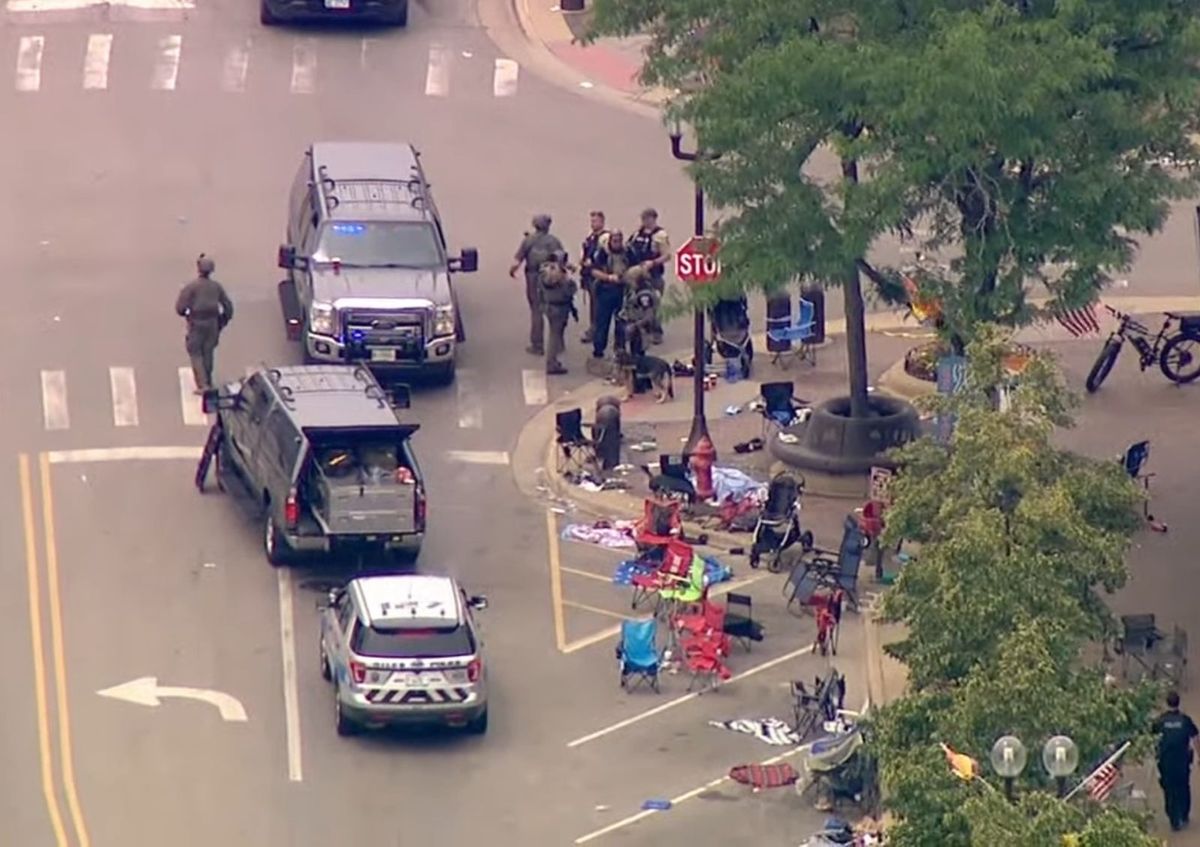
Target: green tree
{"type": "Point", "coordinates": [1018, 543]}
{"type": "Point", "coordinates": [1040, 820]}
{"type": "Point", "coordinates": [1028, 132]}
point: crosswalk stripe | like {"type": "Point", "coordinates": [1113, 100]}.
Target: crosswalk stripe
{"type": "Point", "coordinates": [437, 74]}
{"type": "Point", "coordinates": [478, 457]}
{"type": "Point", "coordinates": [533, 384]}
{"type": "Point", "coordinates": [190, 402]}
{"type": "Point", "coordinates": [95, 62]}
{"type": "Point", "coordinates": [166, 66]}
{"type": "Point", "coordinates": [237, 63]}
{"type": "Point", "coordinates": [470, 401]}
{"type": "Point", "coordinates": [304, 66]}
{"type": "Point", "coordinates": [504, 80]}
{"type": "Point", "coordinates": [29, 62]}
{"type": "Point", "coordinates": [54, 400]}
{"type": "Point", "coordinates": [124, 396]}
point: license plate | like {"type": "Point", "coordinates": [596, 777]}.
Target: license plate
{"type": "Point", "coordinates": [385, 354]}
{"type": "Point", "coordinates": [408, 679]}
{"type": "Point", "coordinates": [337, 4]}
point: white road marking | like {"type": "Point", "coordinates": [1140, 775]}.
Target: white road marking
{"type": "Point", "coordinates": [29, 62]}
{"type": "Point", "coordinates": [54, 400]}
{"type": "Point", "coordinates": [189, 401]}
{"type": "Point", "coordinates": [533, 384]}
{"type": "Point", "coordinates": [123, 454]}
{"type": "Point", "coordinates": [437, 73]}
{"type": "Point", "coordinates": [291, 696]}
{"type": "Point", "coordinates": [237, 63]}
{"type": "Point", "coordinates": [504, 80]}
{"type": "Point", "coordinates": [679, 701]}
{"type": "Point", "coordinates": [124, 396]}
{"type": "Point", "coordinates": [95, 62]}
{"type": "Point", "coordinates": [166, 66]}
{"type": "Point", "coordinates": [362, 56]}
{"type": "Point", "coordinates": [304, 66]}
{"type": "Point", "coordinates": [478, 457]}
{"type": "Point", "coordinates": [72, 5]}
{"type": "Point", "coordinates": [470, 400]}
{"type": "Point", "coordinates": [147, 692]}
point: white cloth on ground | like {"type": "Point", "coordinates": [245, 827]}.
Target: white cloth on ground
{"type": "Point", "coordinates": [773, 731]}
{"type": "Point", "coordinates": [737, 485]}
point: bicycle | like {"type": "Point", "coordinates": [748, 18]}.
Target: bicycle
{"type": "Point", "coordinates": [1176, 353]}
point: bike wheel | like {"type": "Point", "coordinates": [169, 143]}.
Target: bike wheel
{"type": "Point", "coordinates": [1180, 359]}
{"type": "Point", "coordinates": [1103, 365]}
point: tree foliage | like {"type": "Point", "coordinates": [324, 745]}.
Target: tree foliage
{"type": "Point", "coordinates": [1026, 133]}
{"type": "Point", "coordinates": [1018, 543]}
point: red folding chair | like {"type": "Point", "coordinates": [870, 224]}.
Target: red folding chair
{"type": "Point", "coordinates": [675, 567]}
{"type": "Point", "coordinates": [661, 521]}
{"type": "Point", "coordinates": [704, 657]}
{"type": "Point", "coordinates": [828, 609]}
{"type": "Point", "coordinates": [870, 519]}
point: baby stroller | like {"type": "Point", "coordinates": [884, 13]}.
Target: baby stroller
{"type": "Point", "coordinates": [779, 525]}
{"type": "Point", "coordinates": [729, 323]}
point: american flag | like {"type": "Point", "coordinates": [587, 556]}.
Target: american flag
{"type": "Point", "coordinates": [1079, 322]}
{"type": "Point", "coordinates": [1103, 780]}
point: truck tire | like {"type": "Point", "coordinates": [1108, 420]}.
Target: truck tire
{"type": "Point", "coordinates": [274, 544]}
{"type": "Point", "coordinates": [478, 726]}
{"type": "Point", "coordinates": [399, 16]}
{"type": "Point", "coordinates": [443, 374]}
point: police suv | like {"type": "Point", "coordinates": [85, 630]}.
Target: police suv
{"type": "Point", "coordinates": [404, 649]}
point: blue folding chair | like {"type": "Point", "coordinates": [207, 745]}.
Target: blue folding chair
{"type": "Point", "coordinates": [794, 339]}
{"type": "Point", "coordinates": [1134, 461]}
{"type": "Point", "coordinates": [637, 654]}
{"type": "Point", "coordinates": [827, 569]}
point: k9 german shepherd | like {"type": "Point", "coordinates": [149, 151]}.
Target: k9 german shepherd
{"type": "Point", "coordinates": [635, 364]}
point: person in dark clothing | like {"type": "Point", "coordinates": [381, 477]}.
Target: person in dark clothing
{"type": "Point", "coordinates": [535, 250]}
{"type": "Point", "coordinates": [610, 267]}
{"type": "Point", "coordinates": [207, 309]}
{"type": "Point", "coordinates": [558, 301]}
{"type": "Point", "coordinates": [596, 240]}
{"type": "Point", "coordinates": [1177, 734]}
{"type": "Point", "coordinates": [650, 248]}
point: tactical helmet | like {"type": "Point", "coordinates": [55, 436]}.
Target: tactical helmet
{"type": "Point", "coordinates": [541, 222]}
{"type": "Point", "coordinates": [559, 256]}
{"type": "Point", "coordinates": [205, 265]}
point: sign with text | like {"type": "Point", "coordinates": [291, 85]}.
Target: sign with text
{"type": "Point", "coordinates": [951, 377]}
{"type": "Point", "coordinates": [696, 260]}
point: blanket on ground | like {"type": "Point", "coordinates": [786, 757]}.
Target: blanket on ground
{"type": "Point", "coordinates": [714, 571]}
{"type": "Point", "coordinates": [773, 731]}
{"type": "Point", "coordinates": [616, 536]}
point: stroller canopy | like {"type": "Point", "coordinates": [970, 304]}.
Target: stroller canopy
{"type": "Point", "coordinates": [731, 317]}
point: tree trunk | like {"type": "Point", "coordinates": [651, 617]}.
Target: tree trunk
{"type": "Point", "coordinates": [856, 328]}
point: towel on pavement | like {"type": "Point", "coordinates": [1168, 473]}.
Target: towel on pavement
{"type": "Point", "coordinates": [615, 537]}
{"type": "Point", "coordinates": [735, 485]}
{"type": "Point", "coordinates": [714, 571]}
{"type": "Point", "coordinates": [771, 730]}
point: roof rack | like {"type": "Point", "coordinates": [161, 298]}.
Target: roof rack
{"type": "Point", "coordinates": [365, 192]}
{"type": "Point", "coordinates": [361, 374]}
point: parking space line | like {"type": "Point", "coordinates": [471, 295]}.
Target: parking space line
{"type": "Point", "coordinates": [39, 656]}
{"type": "Point", "coordinates": [291, 696]}
{"type": "Point", "coordinates": [595, 610]}
{"type": "Point", "coordinates": [687, 795]}
{"type": "Point", "coordinates": [589, 640]}
{"type": "Point", "coordinates": [684, 698]}
{"type": "Point", "coordinates": [588, 574]}
{"type": "Point", "coordinates": [58, 653]}
{"type": "Point", "coordinates": [556, 595]}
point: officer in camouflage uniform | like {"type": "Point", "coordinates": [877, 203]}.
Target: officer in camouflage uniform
{"type": "Point", "coordinates": [558, 299]}
{"type": "Point", "coordinates": [536, 248]}
{"type": "Point", "coordinates": [207, 309]}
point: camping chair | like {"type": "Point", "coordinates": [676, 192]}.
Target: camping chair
{"type": "Point", "coordinates": [823, 703]}
{"type": "Point", "coordinates": [740, 624]}
{"type": "Point", "coordinates": [637, 654]}
{"type": "Point", "coordinates": [661, 521]}
{"type": "Point", "coordinates": [780, 407]}
{"type": "Point", "coordinates": [1148, 652]}
{"type": "Point", "coordinates": [1134, 461]}
{"type": "Point", "coordinates": [576, 454]}
{"type": "Point", "coordinates": [704, 657]}
{"type": "Point", "coordinates": [672, 480]}
{"type": "Point", "coordinates": [795, 339]}
{"type": "Point", "coordinates": [677, 594]}
{"type": "Point", "coordinates": [834, 570]}
{"type": "Point", "coordinates": [675, 568]}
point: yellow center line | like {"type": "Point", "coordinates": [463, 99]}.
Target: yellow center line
{"type": "Point", "coordinates": [39, 663]}
{"type": "Point", "coordinates": [556, 592]}
{"type": "Point", "coordinates": [59, 654]}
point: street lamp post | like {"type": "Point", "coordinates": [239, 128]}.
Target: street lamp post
{"type": "Point", "coordinates": [699, 443]}
{"type": "Point", "coordinates": [1008, 758]}
{"type": "Point", "coordinates": [1060, 757]}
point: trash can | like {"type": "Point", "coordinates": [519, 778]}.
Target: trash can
{"type": "Point", "coordinates": [815, 294]}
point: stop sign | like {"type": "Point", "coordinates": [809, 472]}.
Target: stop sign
{"type": "Point", "coordinates": [696, 260]}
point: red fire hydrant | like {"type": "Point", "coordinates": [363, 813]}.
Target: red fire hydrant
{"type": "Point", "coordinates": [702, 460]}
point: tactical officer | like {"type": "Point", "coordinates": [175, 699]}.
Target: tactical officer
{"type": "Point", "coordinates": [650, 248]}
{"type": "Point", "coordinates": [610, 267]}
{"type": "Point", "coordinates": [536, 248]}
{"type": "Point", "coordinates": [596, 238]}
{"type": "Point", "coordinates": [207, 309]}
{"type": "Point", "coordinates": [558, 299]}
{"type": "Point", "coordinates": [1177, 739]}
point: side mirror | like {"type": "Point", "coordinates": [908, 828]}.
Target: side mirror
{"type": "Point", "coordinates": [467, 263]}
{"type": "Point", "coordinates": [478, 602]}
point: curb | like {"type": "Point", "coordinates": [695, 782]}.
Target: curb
{"type": "Point", "coordinates": [897, 382]}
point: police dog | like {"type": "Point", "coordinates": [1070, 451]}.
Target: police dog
{"type": "Point", "coordinates": [635, 364]}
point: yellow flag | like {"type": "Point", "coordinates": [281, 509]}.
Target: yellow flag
{"type": "Point", "coordinates": [962, 765]}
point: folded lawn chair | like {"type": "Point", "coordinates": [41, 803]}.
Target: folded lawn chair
{"type": "Point", "coordinates": [821, 703]}
{"type": "Point", "coordinates": [637, 654]}
{"type": "Point", "coordinates": [678, 561]}
{"type": "Point", "coordinates": [825, 569]}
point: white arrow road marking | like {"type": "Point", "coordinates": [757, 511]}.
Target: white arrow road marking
{"type": "Point", "coordinates": [504, 80]}
{"type": "Point", "coordinates": [147, 692]}
{"type": "Point", "coordinates": [29, 62]}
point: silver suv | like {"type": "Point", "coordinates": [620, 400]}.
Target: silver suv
{"type": "Point", "coordinates": [404, 649]}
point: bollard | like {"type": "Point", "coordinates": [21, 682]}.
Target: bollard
{"type": "Point", "coordinates": [607, 433]}
{"type": "Point", "coordinates": [816, 295]}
